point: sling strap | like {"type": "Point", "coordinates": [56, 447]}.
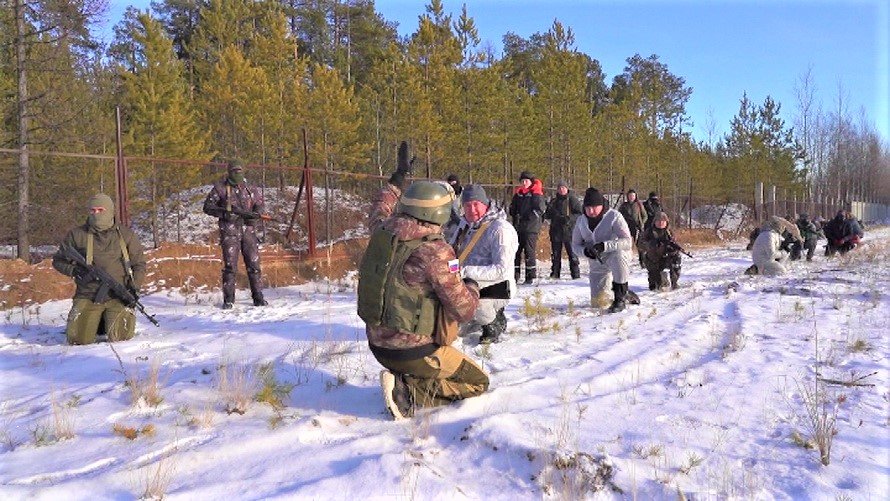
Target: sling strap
{"type": "Point", "coordinates": [125, 254]}
{"type": "Point", "coordinates": [472, 243]}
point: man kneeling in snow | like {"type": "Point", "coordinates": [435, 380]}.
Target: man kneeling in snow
{"type": "Point", "coordinates": [411, 297]}
{"type": "Point", "coordinates": [767, 252]}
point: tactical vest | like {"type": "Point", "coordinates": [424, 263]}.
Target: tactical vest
{"type": "Point", "coordinates": [383, 296]}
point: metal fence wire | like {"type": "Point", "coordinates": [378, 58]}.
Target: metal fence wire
{"type": "Point", "coordinates": [165, 199]}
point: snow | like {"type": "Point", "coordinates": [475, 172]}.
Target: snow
{"type": "Point", "coordinates": [698, 391]}
{"type": "Point", "coordinates": [182, 218]}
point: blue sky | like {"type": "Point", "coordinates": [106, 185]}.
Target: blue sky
{"type": "Point", "coordinates": [721, 48]}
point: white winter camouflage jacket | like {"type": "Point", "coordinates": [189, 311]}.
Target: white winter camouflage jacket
{"type": "Point", "coordinates": [612, 231]}
{"type": "Point", "coordinates": [490, 261]}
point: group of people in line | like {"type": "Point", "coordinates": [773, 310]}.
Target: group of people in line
{"type": "Point", "coordinates": [437, 266]}
{"type": "Point", "coordinates": [779, 240]}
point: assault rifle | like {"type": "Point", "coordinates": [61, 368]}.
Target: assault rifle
{"type": "Point", "coordinates": [248, 215]}
{"type": "Point", "coordinates": [500, 290]}
{"type": "Point", "coordinates": [108, 286]}
{"type": "Point", "coordinates": [672, 245]}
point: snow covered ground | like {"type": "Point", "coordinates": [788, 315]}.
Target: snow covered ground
{"type": "Point", "coordinates": [701, 391]}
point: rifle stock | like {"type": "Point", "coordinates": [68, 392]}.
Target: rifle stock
{"type": "Point", "coordinates": [500, 290]}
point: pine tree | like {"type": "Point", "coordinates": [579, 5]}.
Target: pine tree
{"type": "Point", "coordinates": [233, 103]}
{"type": "Point", "coordinates": [275, 52]}
{"type": "Point", "coordinates": [223, 24]}
{"type": "Point", "coordinates": [160, 121]}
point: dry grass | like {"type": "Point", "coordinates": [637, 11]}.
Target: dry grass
{"type": "Point", "coordinates": [539, 317]}
{"type": "Point", "coordinates": [146, 390]}
{"type": "Point", "coordinates": [131, 432]}
{"type": "Point", "coordinates": [696, 237]}
{"type": "Point", "coordinates": [62, 419]}
{"type": "Point", "coordinates": [156, 479]}
{"type": "Point", "coordinates": [820, 418]}
{"type": "Point", "coordinates": [237, 386]}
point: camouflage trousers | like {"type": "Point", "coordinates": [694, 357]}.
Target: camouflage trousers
{"type": "Point", "coordinates": [235, 239]}
{"type": "Point", "coordinates": [443, 377]}
{"type": "Point", "coordinates": [86, 318]}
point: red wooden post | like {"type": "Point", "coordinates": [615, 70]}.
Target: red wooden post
{"type": "Point", "coordinates": [120, 175]}
{"type": "Point", "coordinates": [310, 209]}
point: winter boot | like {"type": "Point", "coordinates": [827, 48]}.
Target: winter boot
{"type": "Point", "coordinates": [396, 395]}
{"type": "Point", "coordinates": [653, 280]}
{"type": "Point", "coordinates": [665, 279]}
{"type": "Point", "coordinates": [555, 268]}
{"type": "Point", "coordinates": [530, 276]}
{"type": "Point", "coordinates": [675, 277]}
{"type": "Point", "coordinates": [618, 304]}
{"type": "Point", "coordinates": [228, 300]}
{"type": "Point", "coordinates": [631, 297]}
{"type": "Point", "coordinates": [491, 333]}
{"type": "Point", "coordinates": [752, 270]}
{"type": "Point", "coordinates": [575, 270]}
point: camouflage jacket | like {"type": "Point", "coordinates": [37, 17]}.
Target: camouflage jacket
{"type": "Point", "coordinates": [106, 255]}
{"type": "Point", "coordinates": [427, 269]}
{"type": "Point", "coordinates": [244, 197]}
{"type": "Point", "coordinates": [654, 242]}
{"type": "Point", "coordinates": [634, 213]}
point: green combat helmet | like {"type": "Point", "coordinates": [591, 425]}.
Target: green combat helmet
{"type": "Point", "coordinates": [428, 201]}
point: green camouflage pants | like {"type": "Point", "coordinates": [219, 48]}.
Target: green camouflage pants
{"type": "Point", "coordinates": [441, 378]}
{"type": "Point", "coordinates": [85, 317]}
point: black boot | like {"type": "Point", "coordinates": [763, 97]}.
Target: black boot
{"type": "Point", "coordinates": [620, 291]}
{"type": "Point", "coordinates": [491, 333]}
{"type": "Point", "coordinates": [575, 269]}
{"type": "Point", "coordinates": [675, 277]}
{"type": "Point", "coordinates": [530, 276]}
{"type": "Point", "coordinates": [228, 300]}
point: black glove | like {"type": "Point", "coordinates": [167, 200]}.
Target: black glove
{"type": "Point", "coordinates": [593, 251]}
{"type": "Point", "coordinates": [84, 276]}
{"type": "Point", "coordinates": [230, 217]}
{"type": "Point", "coordinates": [404, 167]}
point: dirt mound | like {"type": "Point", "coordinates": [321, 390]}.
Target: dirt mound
{"type": "Point", "coordinates": [25, 283]}
{"type": "Point", "coordinates": [185, 267]}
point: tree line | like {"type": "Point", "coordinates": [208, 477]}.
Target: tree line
{"type": "Point", "coordinates": [216, 79]}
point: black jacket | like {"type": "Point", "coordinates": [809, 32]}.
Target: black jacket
{"type": "Point", "coordinates": [527, 208]}
{"type": "Point", "coordinates": [562, 211]}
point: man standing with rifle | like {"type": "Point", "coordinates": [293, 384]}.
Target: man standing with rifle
{"type": "Point", "coordinates": [239, 207]}
{"type": "Point", "coordinates": [107, 251]}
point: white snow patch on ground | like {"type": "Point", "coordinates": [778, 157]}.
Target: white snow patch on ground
{"type": "Point", "coordinates": [696, 390]}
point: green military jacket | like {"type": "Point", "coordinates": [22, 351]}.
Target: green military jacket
{"type": "Point", "coordinates": [107, 254]}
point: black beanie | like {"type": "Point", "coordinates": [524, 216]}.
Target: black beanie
{"type": "Point", "coordinates": [452, 178]}
{"type": "Point", "coordinates": [593, 197]}
{"type": "Point", "coordinates": [526, 175]}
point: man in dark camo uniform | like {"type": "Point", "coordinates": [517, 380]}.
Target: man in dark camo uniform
{"type": "Point", "coordinates": [237, 232]}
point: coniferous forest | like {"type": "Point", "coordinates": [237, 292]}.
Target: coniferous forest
{"type": "Point", "coordinates": [214, 79]}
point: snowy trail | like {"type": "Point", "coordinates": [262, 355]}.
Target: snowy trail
{"type": "Point", "coordinates": [698, 390]}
